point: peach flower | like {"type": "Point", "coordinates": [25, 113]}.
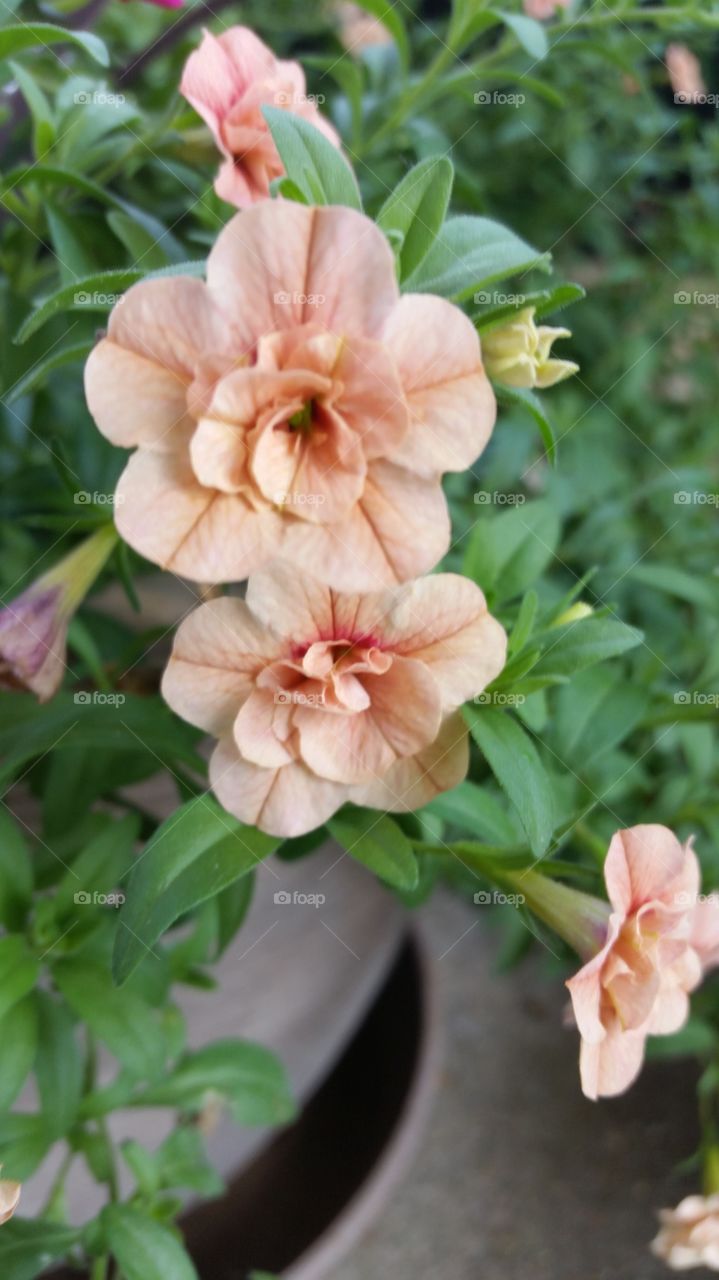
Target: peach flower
{"type": "Point", "coordinates": [358, 29]}
{"type": "Point", "coordinates": [541, 9]}
{"type": "Point", "coordinates": [319, 697]}
{"type": "Point", "coordinates": [689, 1234]}
{"type": "Point", "coordinates": [659, 939]}
{"type": "Point", "coordinates": [228, 80]}
{"type": "Point", "coordinates": [293, 404]}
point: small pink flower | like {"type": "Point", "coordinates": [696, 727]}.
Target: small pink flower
{"type": "Point", "coordinates": [319, 697]}
{"type": "Point", "coordinates": [358, 29]}
{"type": "Point", "coordinates": [689, 1234]}
{"type": "Point", "coordinates": [659, 938]}
{"type": "Point", "coordinates": [294, 404]}
{"type": "Point", "coordinates": [541, 9]}
{"type": "Point", "coordinates": [228, 80]}
{"type": "Point", "coordinates": [685, 73]}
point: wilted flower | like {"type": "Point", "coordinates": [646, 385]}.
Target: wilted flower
{"type": "Point", "coordinates": [359, 29]}
{"type": "Point", "coordinates": [9, 1198]}
{"type": "Point", "coordinates": [658, 941]}
{"type": "Point", "coordinates": [294, 404]}
{"type": "Point", "coordinates": [228, 80]}
{"type": "Point", "coordinates": [685, 73]}
{"type": "Point", "coordinates": [689, 1234]}
{"type": "Point", "coordinates": [541, 9]}
{"type": "Point", "coordinates": [319, 697]}
{"type": "Point", "coordinates": [33, 627]}
{"type": "Point", "coordinates": [518, 353]}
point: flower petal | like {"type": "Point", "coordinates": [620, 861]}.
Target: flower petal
{"type": "Point", "coordinates": [136, 379]}
{"type": "Point", "coordinates": [283, 802]}
{"type": "Point", "coordinates": [199, 533]}
{"type": "Point", "coordinates": [443, 621]}
{"type": "Point", "coordinates": [451, 401]}
{"type": "Point", "coordinates": [641, 864]}
{"type": "Point", "coordinates": [281, 264]}
{"type": "Point", "coordinates": [399, 529]}
{"type": "Point", "coordinates": [610, 1067]}
{"type": "Point", "coordinates": [413, 782]}
{"type": "Point", "coordinates": [217, 653]}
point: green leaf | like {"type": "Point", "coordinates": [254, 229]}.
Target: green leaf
{"type": "Point", "coordinates": [195, 854]}
{"type": "Point", "coordinates": [73, 353]}
{"type": "Point", "coordinates": [19, 971]}
{"type": "Point", "coordinates": [508, 552]}
{"type": "Point", "coordinates": [24, 1143]}
{"type": "Point", "coordinates": [702, 592]}
{"type": "Point", "coordinates": [530, 33]}
{"type": "Point", "coordinates": [15, 873]}
{"type": "Point", "coordinates": [43, 34]}
{"type": "Point", "coordinates": [475, 810]}
{"type": "Point", "coordinates": [101, 865]}
{"type": "Point", "coordinates": [534, 406]}
{"type": "Point", "coordinates": [120, 1019]}
{"type": "Point", "coordinates": [59, 1066]}
{"type": "Point", "coordinates": [144, 1248]}
{"type": "Point", "coordinates": [311, 161]}
{"type": "Point", "coordinates": [74, 257]}
{"type": "Point", "coordinates": [515, 762]}
{"type": "Point", "coordinates": [247, 1076]}
{"type": "Point", "coordinates": [144, 245]}
{"type": "Point", "coordinates": [583, 643]}
{"type": "Point", "coordinates": [233, 903]}
{"type": "Point", "coordinates": [138, 724]}
{"type": "Point", "coordinates": [379, 843]}
{"type": "Point", "coordinates": [98, 292]}
{"type": "Point", "coordinates": [182, 1161]}
{"type": "Point", "coordinates": [18, 1037]}
{"type": "Point", "coordinates": [40, 109]}
{"type": "Point", "coordinates": [416, 210]}
{"type": "Point", "coordinates": [470, 252]}
{"type": "Point", "coordinates": [29, 1246]}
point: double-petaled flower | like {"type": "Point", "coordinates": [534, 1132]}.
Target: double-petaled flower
{"type": "Point", "coordinates": [318, 697]}
{"type": "Point", "coordinates": [293, 404]}
{"type": "Point", "coordinates": [228, 80]}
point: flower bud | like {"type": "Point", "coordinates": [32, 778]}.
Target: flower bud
{"type": "Point", "coordinates": [9, 1198]}
{"type": "Point", "coordinates": [574, 613]}
{"type": "Point", "coordinates": [33, 627]}
{"type": "Point", "coordinates": [518, 354]}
